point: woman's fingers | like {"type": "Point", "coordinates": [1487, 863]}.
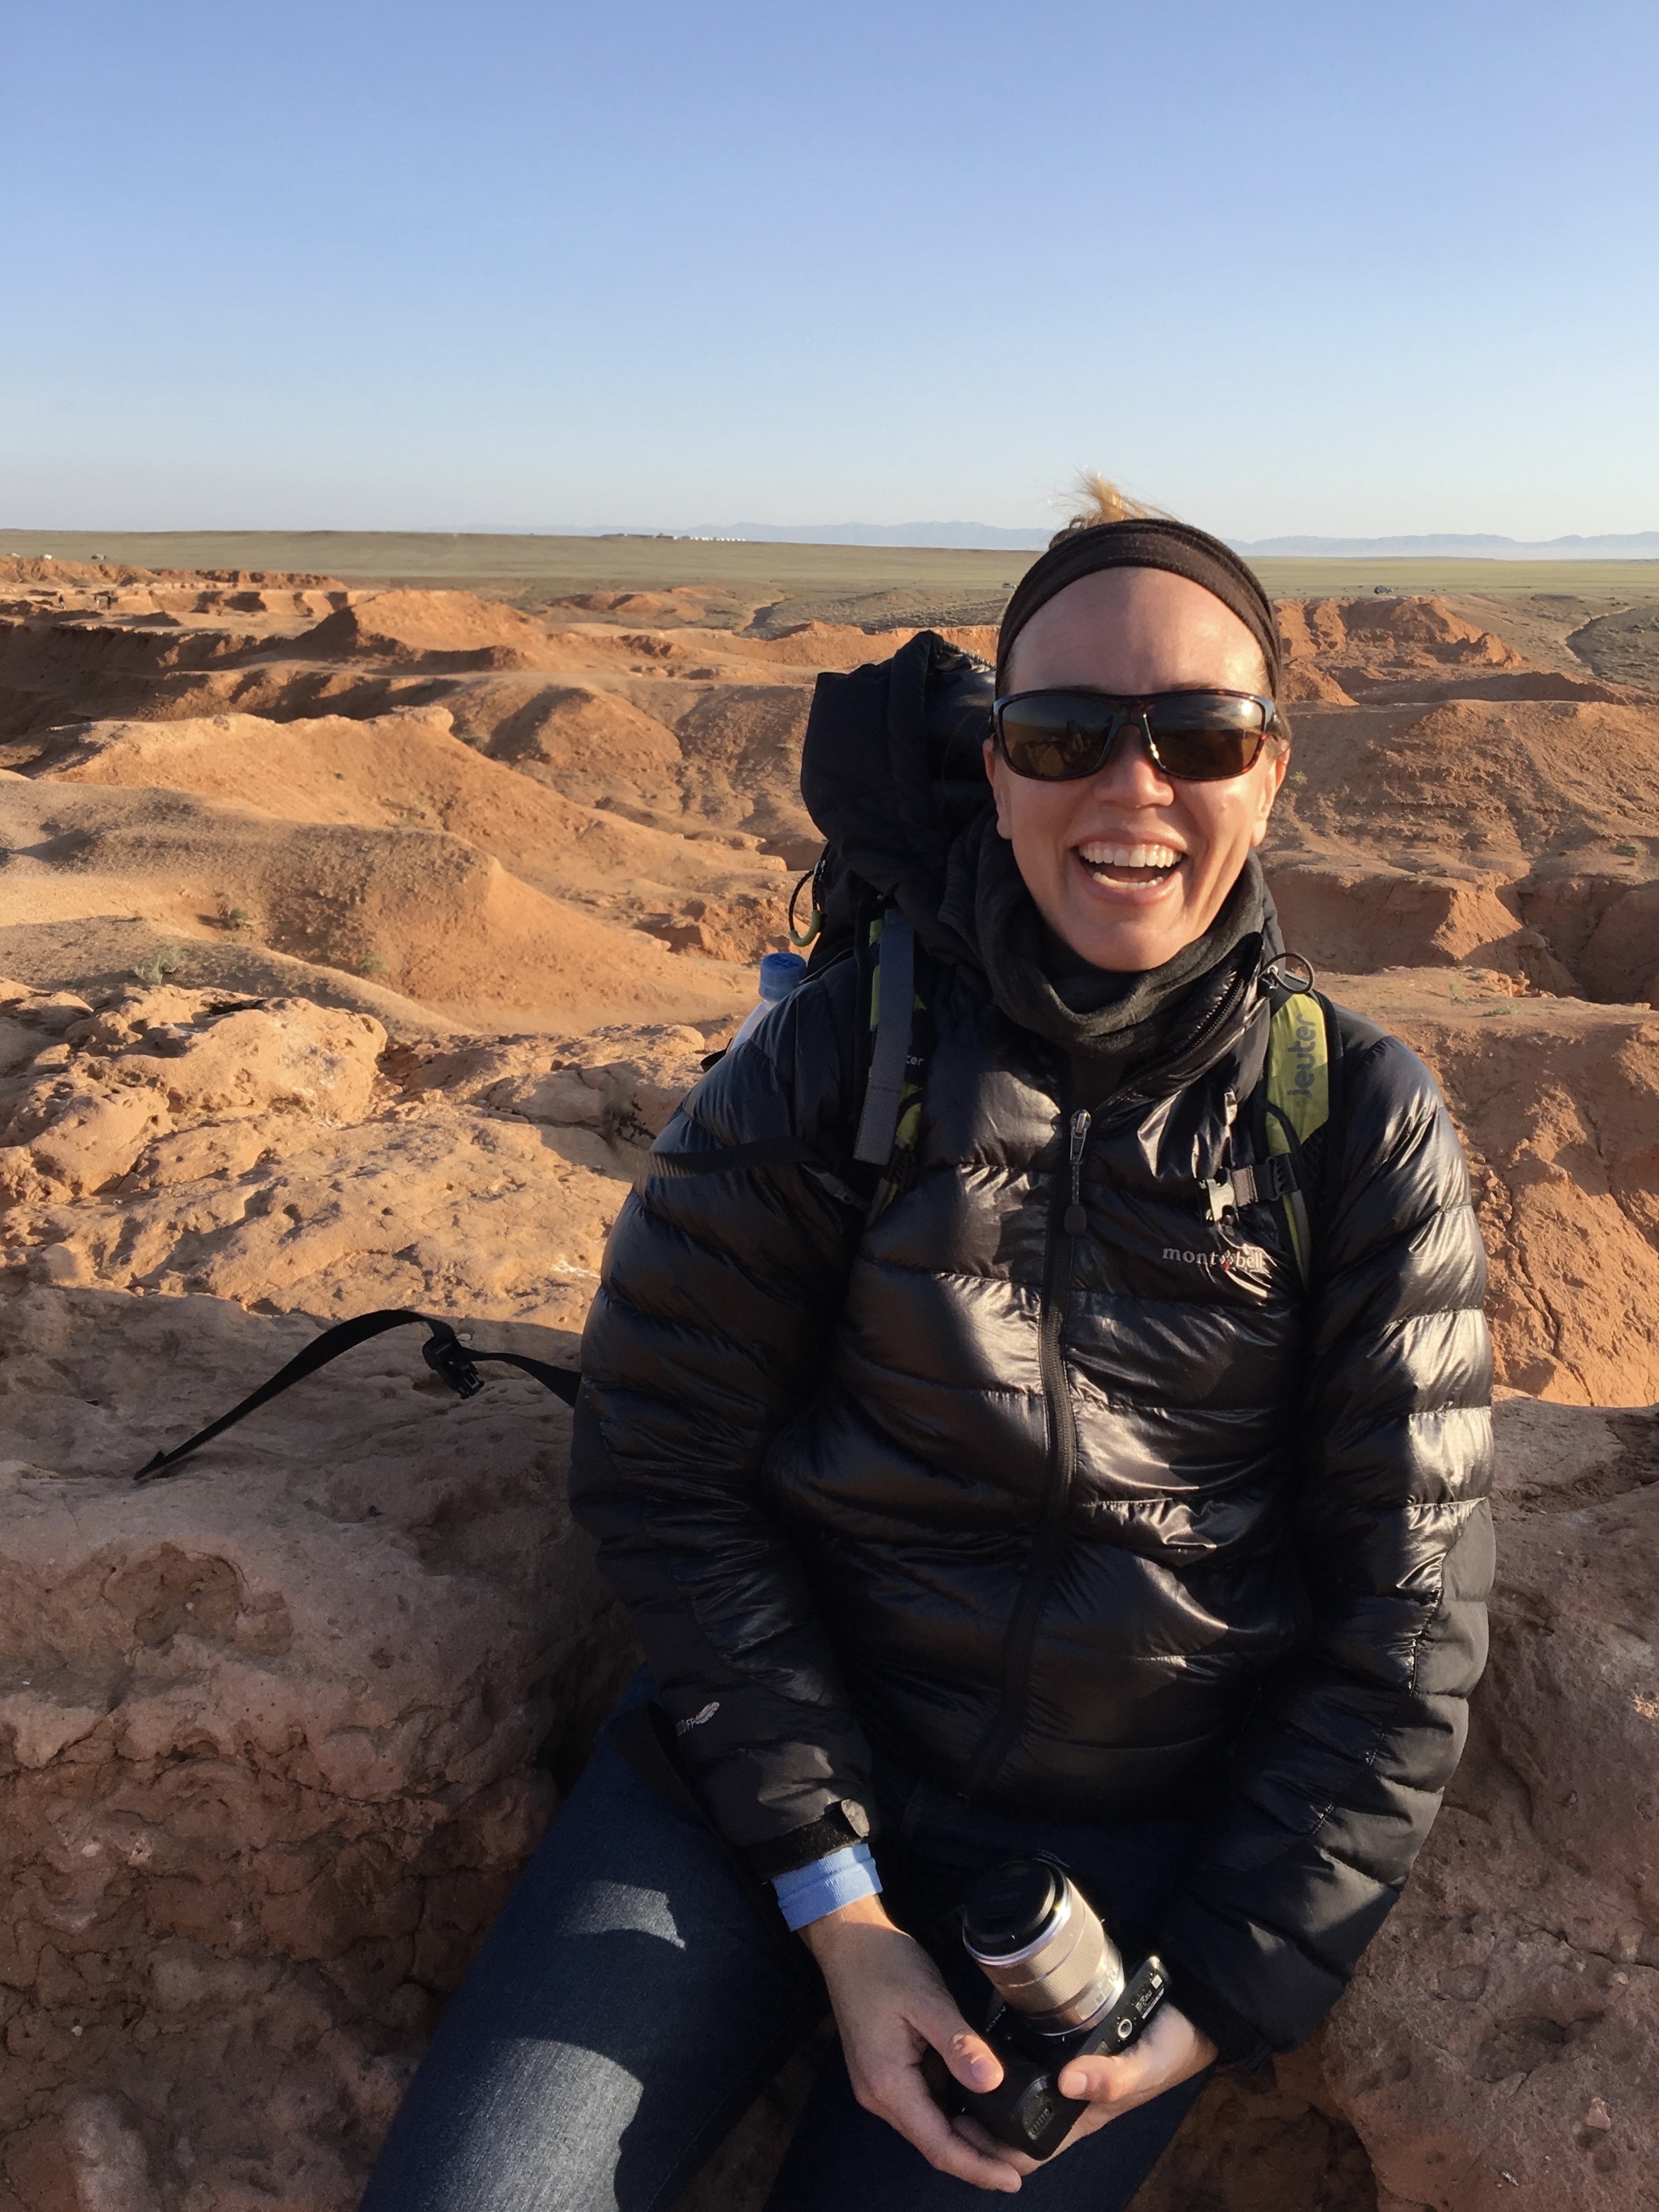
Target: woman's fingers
{"type": "Point", "coordinates": [968, 2056]}
{"type": "Point", "coordinates": [1171, 2050]}
{"type": "Point", "coordinates": [900, 2097]}
{"type": "Point", "coordinates": [895, 2013]}
{"type": "Point", "coordinates": [1112, 2082]}
{"type": "Point", "coordinates": [934, 2022]}
{"type": "Point", "coordinates": [888, 2079]}
{"type": "Point", "coordinates": [982, 2139]}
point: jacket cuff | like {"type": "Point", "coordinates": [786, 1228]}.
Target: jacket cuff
{"type": "Point", "coordinates": [838, 1826]}
{"type": "Point", "coordinates": [1239, 2043]}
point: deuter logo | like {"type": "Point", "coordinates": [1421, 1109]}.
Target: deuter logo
{"type": "Point", "coordinates": [1306, 1071]}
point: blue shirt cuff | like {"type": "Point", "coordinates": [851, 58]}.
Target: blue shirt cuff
{"type": "Point", "coordinates": [841, 1878]}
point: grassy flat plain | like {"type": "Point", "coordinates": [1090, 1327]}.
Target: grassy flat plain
{"type": "Point", "coordinates": [876, 585]}
{"type": "Point", "coordinates": [486, 560]}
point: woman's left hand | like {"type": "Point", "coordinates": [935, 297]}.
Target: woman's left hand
{"type": "Point", "coordinates": [1170, 2052]}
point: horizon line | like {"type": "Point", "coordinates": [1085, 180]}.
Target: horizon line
{"type": "Point", "coordinates": [937, 536]}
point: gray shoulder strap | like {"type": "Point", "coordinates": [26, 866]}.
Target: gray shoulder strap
{"type": "Point", "coordinates": [878, 1125]}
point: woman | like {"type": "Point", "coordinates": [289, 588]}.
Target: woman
{"type": "Point", "coordinates": [1055, 1502]}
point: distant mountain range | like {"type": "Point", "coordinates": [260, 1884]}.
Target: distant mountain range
{"type": "Point", "coordinates": [1638, 545]}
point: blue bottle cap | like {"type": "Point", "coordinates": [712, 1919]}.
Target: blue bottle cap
{"type": "Point", "coordinates": [779, 974]}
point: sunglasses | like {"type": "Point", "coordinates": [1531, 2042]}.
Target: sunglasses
{"type": "Point", "coordinates": [1197, 736]}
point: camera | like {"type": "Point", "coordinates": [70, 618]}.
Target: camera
{"type": "Point", "coordinates": [1063, 1993]}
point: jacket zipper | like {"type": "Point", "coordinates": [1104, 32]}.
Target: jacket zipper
{"type": "Point", "coordinates": [1067, 1222]}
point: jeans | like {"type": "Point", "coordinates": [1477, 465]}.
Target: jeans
{"type": "Point", "coordinates": [636, 1995]}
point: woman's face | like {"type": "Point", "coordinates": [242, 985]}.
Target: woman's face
{"type": "Point", "coordinates": [1129, 866]}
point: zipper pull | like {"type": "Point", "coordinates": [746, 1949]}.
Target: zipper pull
{"type": "Point", "coordinates": [1076, 1221]}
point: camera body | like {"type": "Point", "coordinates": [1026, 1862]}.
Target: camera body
{"type": "Point", "coordinates": [1065, 1994]}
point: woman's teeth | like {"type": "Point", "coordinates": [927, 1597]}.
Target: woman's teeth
{"type": "Point", "coordinates": [1128, 863]}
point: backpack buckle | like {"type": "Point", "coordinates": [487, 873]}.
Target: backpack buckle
{"type": "Point", "coordinates": [1222, 1197]}
{"type": "Point", "coordinates": [448, 1357]}
{"type": "Point", "coordinates": [1289, 975]}
{"type": "Point", "coordinates": [1259, 1185]}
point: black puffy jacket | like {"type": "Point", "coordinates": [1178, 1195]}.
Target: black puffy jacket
{"type": "Point", "coordinates": [1096, 1526]}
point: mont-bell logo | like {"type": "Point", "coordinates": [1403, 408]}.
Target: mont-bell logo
{"type": "Point", "coordinates": [1239, 1260]}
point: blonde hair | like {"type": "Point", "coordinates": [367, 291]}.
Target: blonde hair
{"type": "Point", "coordinates": [1099, 500]}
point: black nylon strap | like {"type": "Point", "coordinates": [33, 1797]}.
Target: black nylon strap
{"type": "Point", "coordinates": [878, 1125]}
{"type": "Point", "coordinates": [563, 1382]}
{"type": "Point", "coordinates": [443, 1351]}
{"type": "Point", "coordinates": [1259, 1185]}
{"type": "Point", "coordinates": [731, 1159]}
{"type": "Point", "coordinates": [831, 1831]}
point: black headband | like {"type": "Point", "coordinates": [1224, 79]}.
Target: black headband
{"type": "Point", "coordinates": [1144, 542]}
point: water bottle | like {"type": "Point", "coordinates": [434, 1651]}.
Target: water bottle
{"type": "Point", "coordinates": [779, 974]}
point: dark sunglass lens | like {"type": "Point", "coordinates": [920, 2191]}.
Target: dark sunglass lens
{"type": "Point", "coordinates": [1208, 756]}
{"type": "Point", "coordinates": [1055, 735]}
{"type": "Point", "coordinates": [1204, 736]}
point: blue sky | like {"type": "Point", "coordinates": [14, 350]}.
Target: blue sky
{"type": "Point", "coordinates": [1283, 267]}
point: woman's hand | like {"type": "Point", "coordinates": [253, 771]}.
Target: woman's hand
{"type": "Point", "coordinates": [892, 2008]}
{"type": "Point", "coordinates": [1170, 2052]}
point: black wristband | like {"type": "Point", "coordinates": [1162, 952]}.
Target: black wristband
{"type": "Point", "coordinates": [836, 1827]}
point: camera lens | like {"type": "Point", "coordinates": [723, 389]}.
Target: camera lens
{"type": "Point", "coordinates": [1042, 1946]}
{"type": "Point", "coordinates": [1011, 1907]}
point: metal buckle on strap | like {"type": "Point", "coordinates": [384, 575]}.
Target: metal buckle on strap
{"type": "Point", "coordinates": [1255, 1186]}
{"type": "Point", "coordinates": [1221, 1198]}
{"type": "Point", "coordinates": [1289, 973]}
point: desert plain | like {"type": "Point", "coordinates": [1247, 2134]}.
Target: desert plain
{"type": "Point", "coordinates": [361, 922]}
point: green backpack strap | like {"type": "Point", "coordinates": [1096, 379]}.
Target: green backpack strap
{"type": "Point", "coordinates": [1299, 1103]}
{"type": "Point", "coordinates": [1296, 1082]}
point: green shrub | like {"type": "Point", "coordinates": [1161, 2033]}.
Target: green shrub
{"type": "Point", "coordinates": [167, 960]}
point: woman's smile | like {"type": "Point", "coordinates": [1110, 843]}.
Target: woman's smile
{"type": "Point", "coordinates": [1114, 868]}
